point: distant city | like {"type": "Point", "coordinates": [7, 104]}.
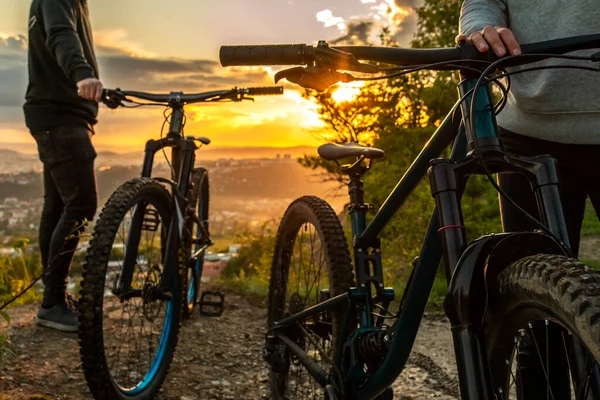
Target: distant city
{"type": "Point", "coordinates": [244, 194]}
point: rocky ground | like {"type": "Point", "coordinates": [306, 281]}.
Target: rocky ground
{"type": "Point", "coordinates": [217, 358]}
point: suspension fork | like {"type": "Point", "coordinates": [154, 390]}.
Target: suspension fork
{"type": "Point", "coordinates": [183, 158]}
{"type": "Point", "coordinates": [173, 256]}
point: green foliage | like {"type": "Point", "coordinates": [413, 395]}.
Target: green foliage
{"type": "Point", "coordinates": [255, 256]}
{"type": "Point", "coordinates": [590, 225]}
{"type": "Point", "coordinates": [592, 263]}
{"type": "Point", "coordinates": [438, 23]}
{"type": "Point", "coordinates": [17, 271]}
{"type": "Point", "coordinates": [3, 337]}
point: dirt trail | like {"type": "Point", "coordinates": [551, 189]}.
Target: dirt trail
{"type": "Point", "coordinates": [217, 358]}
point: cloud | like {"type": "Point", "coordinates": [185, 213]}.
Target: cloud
{"type": "Point", "coordinates": [358, 32]}
{"type": "Point", "coordinates": [406, 30]}
{"type": "Point", "coordinates": [398, 16]}
{"type": "Point", "coordinates": [328, 19]}
{"type": "Point", "coordinates": [14, 44]}
{"type": "Point", "coordinates": [408, 3]}
{"type": "Point", "coordinates": [111, 40]}
{"type": "Point", "coordinates": [126, 66]}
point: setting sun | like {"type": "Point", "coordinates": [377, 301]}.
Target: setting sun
{"type": "Point", "coordinates": [347, 92]}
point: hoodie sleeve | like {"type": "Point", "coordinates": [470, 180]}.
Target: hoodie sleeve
{"type": "Point", "coordinates": [476, 14]}
{"type": "Point", "coordinates": [60, 22]}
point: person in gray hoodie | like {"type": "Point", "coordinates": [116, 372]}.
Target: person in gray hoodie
{"type": "Point", "coordinates": [552, 111]}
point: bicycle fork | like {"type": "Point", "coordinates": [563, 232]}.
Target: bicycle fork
{"type": "Point", "coordinates": [464, 303]}
{"type": "Point", "coordinates": [183, 156]}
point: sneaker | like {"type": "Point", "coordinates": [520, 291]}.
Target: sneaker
{"type": "Point", "coordinates": [60, 317]}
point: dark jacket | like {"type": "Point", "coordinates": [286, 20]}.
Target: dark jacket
{"type": "Point", "coordinates": [60, 55]}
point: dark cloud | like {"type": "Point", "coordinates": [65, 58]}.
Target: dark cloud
{"type": "Point", "coordinates": [13, 44]}
{"type": "Point", "coordinates": [168, 66]}
{"type": "Point", "coordinates": [167, 75]}
{"type": "Point", "coordinates": [409, 3]}
{"type": "Point", "coordinates": [118, 69]}
{"type": "Point", "coordinates": [12, 86]}
{"type": "Point", "coordinates": [358, 33]}
{"type": "Point", "coordinates": [406, 31]}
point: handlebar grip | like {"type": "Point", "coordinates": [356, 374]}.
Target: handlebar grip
{"type": "Point", "coordinates": [264, 91]}
{"type": "Point", "coordinates": [277, 54]}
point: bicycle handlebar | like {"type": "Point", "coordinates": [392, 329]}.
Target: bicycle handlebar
{"type": "Point", "coordinates": [303, 54]}
{"type": "Point", "coordinates": [277, 54]}
{"type": "Point", "coordinates": [113, 97]}
{"type": "Point", "coordinates": [264, 91]}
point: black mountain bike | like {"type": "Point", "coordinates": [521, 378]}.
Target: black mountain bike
{"type": "Point", "coordinates": [144, 263]}
{"type": "Point", "coordinates": [525, 317]}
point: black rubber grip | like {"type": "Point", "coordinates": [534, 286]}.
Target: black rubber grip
{"type": "Point", "coordinates": [564, 45]}
{"type": "Point", "coordinates": [264, 91]}
{"type": "Point", "coordinates": [276, 54]}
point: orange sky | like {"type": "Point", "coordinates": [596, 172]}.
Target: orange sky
{"type": "Point", "coordinates": [138, 50]}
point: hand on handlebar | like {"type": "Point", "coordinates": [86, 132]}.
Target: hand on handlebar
{"type": "Point", "coordinates": [90, 89]}
{"type": "Point", "coordinates": [499, 38]}
{"type": "Point", "coordinates": [313, 77]}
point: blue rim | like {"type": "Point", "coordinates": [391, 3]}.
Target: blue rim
{"type": "Point", "coordinates": [198, 267]}
{"type": "Point", "coordinates": [192, 288]}
{"type": "Point", "coordinates": [159, 356]}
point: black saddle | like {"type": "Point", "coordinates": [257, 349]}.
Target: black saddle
{"type": "Point", "coordinates": [332, 151]}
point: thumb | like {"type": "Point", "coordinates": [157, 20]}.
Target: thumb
{"type": "Point", "coordinates": [462, 38]}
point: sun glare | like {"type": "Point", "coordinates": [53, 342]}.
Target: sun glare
{"type": "Point", "coordinates": [347, 92]}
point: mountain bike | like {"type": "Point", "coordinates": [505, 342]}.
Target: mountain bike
{"type": "Point", "coordinates": [525, 317]}
{"type": "Point", "coordinates": [144, 264]}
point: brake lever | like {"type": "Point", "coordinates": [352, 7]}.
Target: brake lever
{"type": "Point", "coordinates": [317, 78]}
{"type": "Point", "coordinates": [113, 98]}
{"type": "Point", "coordinates": [338, 59]}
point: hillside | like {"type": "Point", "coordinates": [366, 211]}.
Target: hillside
{"type": "Point", "coordinates": [17, 157]}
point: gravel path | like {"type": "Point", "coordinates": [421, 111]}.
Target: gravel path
{"type": "Point", "coordinates": [217, 358]}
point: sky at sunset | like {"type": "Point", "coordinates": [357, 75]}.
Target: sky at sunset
{"type": "Point", "coordinates": [159, 46]}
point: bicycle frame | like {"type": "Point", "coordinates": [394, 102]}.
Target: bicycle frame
{"type": "Point", "coordinates": [182, 163]}
{"type": "Point", "coordinates": [445, 237]}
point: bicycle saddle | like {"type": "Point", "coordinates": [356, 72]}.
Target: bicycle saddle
{"type": "Point", "coordinates": [332, 151]}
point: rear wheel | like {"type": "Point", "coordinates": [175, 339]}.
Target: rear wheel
{"type": "Point", "coordinates": [543, 310]}
{"type": "Point", "coordinates": [195, 237]}
{"type": "Point", "coordinates": [128, 331]}
{"type": "Point", "coordinates": [311, 263]}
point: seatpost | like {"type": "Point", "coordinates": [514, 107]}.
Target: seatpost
{"type": "Point", "coordinates": [356, 190]}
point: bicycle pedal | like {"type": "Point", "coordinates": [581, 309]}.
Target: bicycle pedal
{"type": "Point", "coordinates": [211, 303]}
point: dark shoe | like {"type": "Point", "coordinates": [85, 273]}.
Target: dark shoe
{"type": "Point", "coordinates": [60, 317]}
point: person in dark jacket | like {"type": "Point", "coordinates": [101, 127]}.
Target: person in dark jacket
{"type": "Point", "coordinates": [61, 108]}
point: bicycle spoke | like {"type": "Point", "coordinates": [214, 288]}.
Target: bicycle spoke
{"type": "Point", "coordinates": [541, 361]}
{"type": "Point", "coordinates": [132, 333]}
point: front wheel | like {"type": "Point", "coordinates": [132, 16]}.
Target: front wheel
{"type": "Point", "coordinates": [127, 330]}
{"type": "Point", "coordinates": [311, 263]}
{"type": "Point", "coordinates": [543, 329]}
